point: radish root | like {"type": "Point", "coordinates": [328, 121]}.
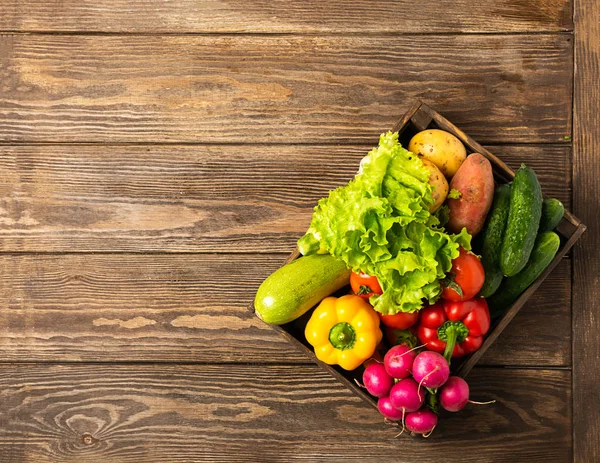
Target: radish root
{"type": "Point", "coordinates": [358, 384]}
{"type": "Point", "coordinates": [403, 428]}
{"type": "Point", "coordinates": [429, 433]}
{"type": "Point", "coordinates": [425, 377]}
{"type": "Point", "coordinates": [414, 348]}
{"type": "Point", "coordinates": [403, 413]}
{"type": "Point", "coordinates": [481, 403]}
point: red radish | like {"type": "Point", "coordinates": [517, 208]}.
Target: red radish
{"type": "Point", "coordinates": [430, 369]}
{"type": "Point", "coordinates": [386, 408]}
{"type": "Point", "coordinates": [454, 395]}
{"type": "Point", "coordinates": [421, 422]}
{"type": "Point", "coordinates": [376, 380]}
{"type": "Point", "coordinates": [398, 361]}
{"type": "Point", "coordinates": [405, 395]}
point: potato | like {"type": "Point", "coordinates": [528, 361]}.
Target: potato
{"type": "Point", "coordinates": [475, 182]}
{"type": "Point", "coordinates": [438, 183]}
{"type": "Point", "coordinates": [442, 148]}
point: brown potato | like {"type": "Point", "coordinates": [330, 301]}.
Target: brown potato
{"type": "Point", "coordinates": [440, 147]}
{"type": "Point", "coordinates": [475, 182]}
{"type": "Point", "coordinates": [438, 183]}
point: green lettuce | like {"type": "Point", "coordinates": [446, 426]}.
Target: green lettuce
{"type": "Point", "coordinates": [380, 224]}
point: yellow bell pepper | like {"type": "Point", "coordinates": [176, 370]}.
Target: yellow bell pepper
{"type": "Point", "coordinates": [343, 331]}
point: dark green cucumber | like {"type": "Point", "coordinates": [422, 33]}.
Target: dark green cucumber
{"type": "Point", "coordinates": [544, 250]}
{"type": "Point", "coordinates": [523, 221]}
{"type": "Point", "coordinates": [552, 213]}
{"type": "Point", "coordinates": [492, 240]}
{"type": "Point", "coordinates": [298, 286]}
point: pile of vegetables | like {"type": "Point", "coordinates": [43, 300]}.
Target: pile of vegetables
{"type": "Point", "coordinates": [399, 234]}
{"type": "Point", "coordinates": [380, 224]}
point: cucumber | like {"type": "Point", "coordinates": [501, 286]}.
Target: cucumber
{"type": "Point", "coordinates": [298, 286]}
{"type": "Point", "coordinates": [523, 221]}
{"type": "Point", "coordinates": [546, 246]}
{"type": "Point", "coordinates": [492, 240]}
{"type": "Point", "coordinates": [552, 213]}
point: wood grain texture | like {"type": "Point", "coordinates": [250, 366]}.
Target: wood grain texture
{"type": "Point", "coordinates": [586, 279]}
{"type": "Point", "coordinates": [190, 198]}
{"type": "Point", "coordinates": [546, 318]}
{"type": "Point", "coordinates": [193, 308]}
{"type": "Point", "coordinates": [242, 89]}
{"type": "Point", "coordinates": [150, 16]}
{"type": "Point", "coordinates": [136, 307]}
{"type": "Point", "coordinates": [157, 413]}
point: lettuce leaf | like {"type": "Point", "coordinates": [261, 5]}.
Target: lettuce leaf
{"type": "Point", "coordinates": [379, 224]}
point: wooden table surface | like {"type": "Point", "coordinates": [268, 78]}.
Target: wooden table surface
{"type": "Point", "coordinates": [160, 158]}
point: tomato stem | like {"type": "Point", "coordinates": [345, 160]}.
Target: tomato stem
{"type": "Point", "coordinates": [364, 290]}
{"type": "Point", "coordinates": [450, 282]}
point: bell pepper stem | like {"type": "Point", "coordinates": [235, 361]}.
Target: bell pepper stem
{"type": "Point", "coordinates": [452, 332]}
{"type": "Point", "coordinates": [342, 336]}
{"type": "Point", "coordinates": [450, 343]}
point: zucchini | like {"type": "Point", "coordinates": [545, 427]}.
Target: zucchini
{"type": "Point", "coordinates": [492, 240]}
{"type": "Point", "coordinates": [298, 286]}
{"type": "Point", "coordinates": [546, 247]}
{"type": "Point", "coordinates": [552, 213]}
{"type": "Point", "coordinates": [523, 221]}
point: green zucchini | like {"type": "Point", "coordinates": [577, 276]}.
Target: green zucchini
{"type": "Point", "coordinates": [552, 213]}
{"type": "Point", "coordinates": [298, 286]}
{"type": "Point", "coordinates": [544, 250]}
{"type": "Point", "coordinates": [523, 221]}
{"type": "Point", "coordinates": [492, 240]}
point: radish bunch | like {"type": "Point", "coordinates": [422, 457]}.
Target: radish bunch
{"type": "Point", "coordinates": [410, 386]}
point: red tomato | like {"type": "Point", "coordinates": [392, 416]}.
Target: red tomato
{"type": "Point", "coordinates": [465, 279]}
{"type": "Point", "coordinates": [364, 285]}
{"type": "Point", "coordinates": [400, 320]}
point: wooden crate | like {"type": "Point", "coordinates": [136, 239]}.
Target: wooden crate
{"type": "Point", "coordinates": [420, 117]}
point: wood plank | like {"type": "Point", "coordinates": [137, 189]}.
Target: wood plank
{"type": "Point", "coordinates": [537, 333]}
{"type": "Point", "coordinates": [90, 413]}
{"type": "Point", "coordinates": [285, 89]}
{"type": "Point", "coordinates": [193, 308]}
{"type": "Point", "coordinates": [149, 16]}
{"type": "Point", "coordinates": [190, 198]}
{"type": "Point", "coordinates": [136, 307]}
{"type": "Point", "coordinates": [586, 185]}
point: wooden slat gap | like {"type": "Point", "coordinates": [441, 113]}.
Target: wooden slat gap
{"type": "Point", "coordinates": [351, 33]}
